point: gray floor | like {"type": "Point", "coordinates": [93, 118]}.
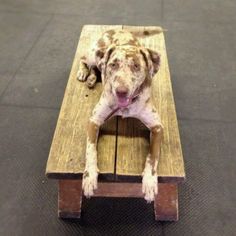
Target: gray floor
{"type": "Point", "coordinates": [37, 44]}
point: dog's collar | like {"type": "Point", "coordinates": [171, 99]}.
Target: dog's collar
{"type": "Point", "coordinates": [132, 99]}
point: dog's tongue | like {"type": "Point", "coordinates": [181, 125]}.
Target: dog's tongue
{"type": "Point", "coordinates": [123, 102]}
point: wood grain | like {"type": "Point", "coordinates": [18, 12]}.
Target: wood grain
{"type": "Point", "coordinates": [133, 145]}
{"type": "Point", "coordinates": [166, 203]}
{"type": "Point", "coordinates": [70, 197]}
{"type": "Point", "coordinates": [67, 153]}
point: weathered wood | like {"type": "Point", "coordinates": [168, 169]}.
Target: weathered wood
{"type": "Point", "coordinates": [66, 158]}
{"type": "Point", "coordinates": [166, 203]}
{"type": "Point", "coordinates": [67, 153]}
{"type": "Point", "coordinates": [116, 189]}
{"type": "Point", "coordinates": [133, 141]}
{"type": "Point", "coordinates": [69, 198]}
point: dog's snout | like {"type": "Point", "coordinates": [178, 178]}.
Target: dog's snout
{"type": "Point", "coordinates": [122, 91]}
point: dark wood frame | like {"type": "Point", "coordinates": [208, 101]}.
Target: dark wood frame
{"type": "Point", "coordinates": [70, 197]}
{"type": "Point", "coordinates": [66, 158]}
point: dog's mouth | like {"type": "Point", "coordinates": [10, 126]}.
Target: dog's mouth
{"type": "Point", "coordinates": [123, 101]}
{"type": "Point", "coordinates": [124, 98]}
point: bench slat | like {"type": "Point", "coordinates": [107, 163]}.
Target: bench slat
{"type": "Point", "coordinates": [66, 158]}
{"type": "Point", "coordinates": [67, 153]}
{"type": "Point", "coordinates": [133, 141]}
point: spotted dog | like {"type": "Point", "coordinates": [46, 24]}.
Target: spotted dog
{"type": "Point", "coordinates": [127, 70]}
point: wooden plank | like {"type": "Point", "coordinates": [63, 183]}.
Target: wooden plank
{"type": "Point", "coordinates": [66, 158]}
{"type": "Point", "coordinates": [132, 145]}
{"type": "Point", "coordinates": [67, 153]}
{"type": "Point", "coordinates": [69, 199]}
{"type": "Point", "coordinates": [166, 203]}
{"type": "Point", "coordinates": [116, 189]}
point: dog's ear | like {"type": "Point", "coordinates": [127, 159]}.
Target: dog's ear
{"type": "Point", "coordinates": [156, 60]}
{"type": "Point", "coordinates": [104, 56]}
{"type": "Point", "coordinates": [152, 60]}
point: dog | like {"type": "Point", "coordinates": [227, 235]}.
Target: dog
{"type": "Point", "coordinates": [127, 70]}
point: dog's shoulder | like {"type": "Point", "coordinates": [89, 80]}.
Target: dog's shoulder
{"type": "Point", "coordinates": [124, 37]}
{"type": "Point", "coordinates": [117, 37]}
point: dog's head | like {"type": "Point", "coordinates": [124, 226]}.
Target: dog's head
{"type": "Point", "coordinates": [126, 68]}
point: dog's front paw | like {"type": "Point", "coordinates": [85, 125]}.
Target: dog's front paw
{"type": "Point", "coordinates": [149, 186]}
{"type": "Point", "coordinates": [82, 73]}
{"type": "Point", "coordinates": [89, 183]}
{"type": "Point", "coordinates": [91, 80]}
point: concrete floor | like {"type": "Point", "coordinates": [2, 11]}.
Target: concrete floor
{"type": "Point", "coordinates": [37, 45]}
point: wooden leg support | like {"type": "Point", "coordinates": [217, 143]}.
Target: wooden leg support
{"type": "Point", "coordinates": [166, 203]}
{"type": "Point", "coordinates": [70, 197]}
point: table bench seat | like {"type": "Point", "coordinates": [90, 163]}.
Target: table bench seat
{"type": "Point", "coordinates": [123, 144]}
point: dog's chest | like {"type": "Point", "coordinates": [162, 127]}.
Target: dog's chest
{"type": "Point", "coordinates": [131, 111]}
{"type": "Point", "coordinates": [124, 112]}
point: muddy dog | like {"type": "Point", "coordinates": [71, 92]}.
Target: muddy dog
{"type": "Point", "coordinates": [127, 70]}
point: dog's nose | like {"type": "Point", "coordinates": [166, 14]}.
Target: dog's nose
{"type": "Point", "coordinates": [122, 91]}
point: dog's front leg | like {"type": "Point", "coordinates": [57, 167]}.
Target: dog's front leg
{"type": "Point", "coordinates": [150, 181]}
{"type": "Point", "coordinates": [91, 171]}
{"type": "Point", "coordinates": [151, 119]}
{"type": "Point", "coordinates": [83, 71]}
{"type": "Point", "coordinates": [90, 176]}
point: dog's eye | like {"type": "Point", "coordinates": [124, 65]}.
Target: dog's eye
{"type": "Point", "coordinates": [114, 65]}
{"type": "Point", "coordinates": [136, 66]}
